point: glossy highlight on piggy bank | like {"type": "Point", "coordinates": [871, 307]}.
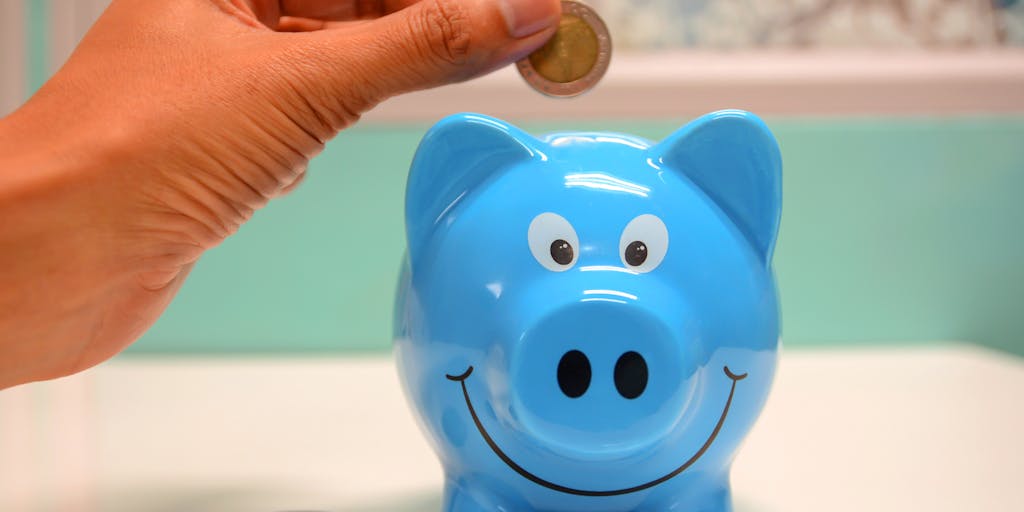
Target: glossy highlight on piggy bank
{"type": "Point", "coordinates": [589, 321]}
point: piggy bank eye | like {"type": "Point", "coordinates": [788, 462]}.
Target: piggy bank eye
{"type": "Point", "coordinates": [553, 242]}
{"type": "Point", "coordinates": [644, 243]}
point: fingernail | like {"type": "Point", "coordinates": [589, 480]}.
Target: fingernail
{"type": "Point", "coordinates": [526, 17]}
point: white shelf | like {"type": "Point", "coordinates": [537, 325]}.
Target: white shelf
{"type": "Point", "coordinates": [930, 428]}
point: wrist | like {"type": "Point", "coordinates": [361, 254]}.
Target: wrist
{"type": "Point", "coordinates": [56, 270]}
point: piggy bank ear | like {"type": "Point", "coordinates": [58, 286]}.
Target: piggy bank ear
{"type": "Point", "coordinates": [456, 156]}
{"type": "Point", "coordinates": [733, 157]}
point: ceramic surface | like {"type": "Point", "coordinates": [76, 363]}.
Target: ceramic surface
{"type": "Point", "coordinates": [589, 321]}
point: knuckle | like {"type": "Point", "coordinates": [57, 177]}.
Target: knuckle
{"type": "Point", "coordinates": [334, 103]}
{"type": "Point", "coordinates": [445, 26]}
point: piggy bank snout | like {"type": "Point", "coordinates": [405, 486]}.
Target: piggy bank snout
{"type": "Point", "coordinates": [598, 379]}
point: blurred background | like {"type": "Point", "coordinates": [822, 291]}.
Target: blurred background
{"type": "Point", "coordinates": [739, 24]}
{"type": "Point", "coordinates": [268, 383]}
{"type": "Point", "coordinates": [901, 124]}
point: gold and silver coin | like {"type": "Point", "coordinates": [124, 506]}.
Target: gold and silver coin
{"type": "Point", "coordinates": [574, 59]}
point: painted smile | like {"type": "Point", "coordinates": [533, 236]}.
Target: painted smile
{"type": "Point", "coordinates": [461, 379]}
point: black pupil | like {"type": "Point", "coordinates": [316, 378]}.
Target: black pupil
{"type": "Point", "coordinates": [636, 253]}
{"type": "Point", "coordinates": [561, 252]}
{"type": "Point", "coordinates": [574, 374]}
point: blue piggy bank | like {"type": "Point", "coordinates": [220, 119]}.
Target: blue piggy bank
{"type": "Point", "coordinates": [589, 321]}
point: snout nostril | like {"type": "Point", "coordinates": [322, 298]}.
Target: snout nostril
{"type": "Point", "coordinates": [631, 375]}
{"type": "Point", "coordinates": [574, 373]}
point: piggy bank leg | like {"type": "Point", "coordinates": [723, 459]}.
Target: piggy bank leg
{"type": "Point", "coordinates": [459, 496]}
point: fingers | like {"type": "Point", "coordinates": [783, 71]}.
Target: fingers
{"type": "Point", "coordinates": [276, 14]}
{"type": "Point", "coordinates": [341, 10]}
{"type": "Point", "coordinates": [431, 43]}
{"type": "Point", "coordinates": [309, 15]}
{"type": "Point", "coordinates": [296, 24]}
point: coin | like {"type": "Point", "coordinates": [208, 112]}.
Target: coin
{"type": "Point", "coordinates": [574, 59]}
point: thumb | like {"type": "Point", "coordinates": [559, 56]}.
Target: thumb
{"type": "Point", "coordinates": [432, 43]}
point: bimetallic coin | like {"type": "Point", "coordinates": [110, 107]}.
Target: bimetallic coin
{"type": "Point", "coordinates": [574, 59]}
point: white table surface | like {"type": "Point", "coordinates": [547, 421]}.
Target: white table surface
{"type": "Point", "coordinates": [905, 429]}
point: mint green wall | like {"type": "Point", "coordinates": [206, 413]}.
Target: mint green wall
{"type": "Point", "coordinates": [38, 62]}
{"type": "Point", "coordinates": [896, 230]}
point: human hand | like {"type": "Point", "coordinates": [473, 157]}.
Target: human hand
{"type": "Point", "coordinates": [174, 121]}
